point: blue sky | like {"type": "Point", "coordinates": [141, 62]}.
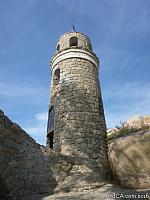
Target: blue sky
{"type": "Point", "coordinates": [120, 34]}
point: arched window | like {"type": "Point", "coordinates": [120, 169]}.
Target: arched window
{"type": "Point", "coordinates": [73, 41]}
{"type": "Point", "coordinates": [56, 76]}
{"type": "Point", "coordinates": [58, 47]}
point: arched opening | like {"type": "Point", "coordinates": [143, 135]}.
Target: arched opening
{"type": "Point", "coordinates": [58, 47]}
{"type": "Point", "coordinates": [56, 76]}
{"type": "Point", "coordinates": [73, 41]}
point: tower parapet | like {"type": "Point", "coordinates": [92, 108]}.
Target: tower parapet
{"type": "Point", "coordinates": [72, 40]}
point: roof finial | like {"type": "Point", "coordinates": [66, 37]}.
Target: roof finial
{"type": "Point", "coordinates": [74, 28]}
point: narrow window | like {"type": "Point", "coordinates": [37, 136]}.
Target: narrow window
{"type": "Point", "coordinates": [90, 47]}
{"type": "Point", "coordinates": [51, 114]}
{"type": "Point", "coordinates": [73, 41]}
{"type": "Point", "coordinates": [50, 127]}
{"type": "Point", "coordinates": [50, 138]}
{"type": "Point", "coordinates": [56, 76]}
{"type": "Point", "coordinates": [58, 47]}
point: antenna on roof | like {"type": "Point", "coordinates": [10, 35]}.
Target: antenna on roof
{"type": "Point", "coordinates": [74, 28]}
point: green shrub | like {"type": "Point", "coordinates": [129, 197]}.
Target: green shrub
{"type": "Point", "coordinates": [125, 130]}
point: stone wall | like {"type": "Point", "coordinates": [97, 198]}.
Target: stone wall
{"type": "Point", "coordinates": [25, 166]}
{"type": "Point", "coordinates": [130, 159]}
{"type": "Point", "coordinates": [80, 128]}
{"type": "Point", "coordinates": [23, 163]}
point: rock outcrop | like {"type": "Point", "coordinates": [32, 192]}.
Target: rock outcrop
{"type": "Point", "coordinates": [139, 121]}
{"type": "Point", "coordinates": [129, 159]}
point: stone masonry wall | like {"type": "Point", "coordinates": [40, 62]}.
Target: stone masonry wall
{"type": "Point", "coordinates": [80, 129]}
{"type": "Point", "coordinates": [130, 160]}
{"type": "Point", "coordinates": [78, 107]}
{"type": "Point", "coordinates": [25, 166]}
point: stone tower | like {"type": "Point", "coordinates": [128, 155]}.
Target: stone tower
{"type": "Point", "coordinates": [76, 124]}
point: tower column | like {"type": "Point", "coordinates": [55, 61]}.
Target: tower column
{"type": "Point", "coordinates": [78, 127]}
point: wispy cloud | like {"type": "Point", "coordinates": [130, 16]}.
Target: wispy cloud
{"type": "Point", "coordinates": [38, 130]}
{"type": "Point", "coordinates": [124, 101]}
{"type": "Point", "coordinates": [42, 117]}
{"type": "Point", "coordinates": [28, 92]}
{"type": "Point", "coordinates": [129, 90]}
{"type": "Point", "coordinates": [125, 17]}
{"type": "Point", "coordinates": [13, 46]}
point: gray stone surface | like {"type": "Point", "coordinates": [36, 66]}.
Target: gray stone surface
{"type": "Point", "coordinates": [129, 158]}
{"type": "Point", "coordinates": [25, 166]}
{"type": "Point", "coordinates": [107, 192]}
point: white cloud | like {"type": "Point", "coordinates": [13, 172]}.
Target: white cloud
{"type": "Point", "coordinates": [41, 117]}
{"type": "Point", "coordinates": [129, 90]}
{"type": "Point", "coordinates": [38, 130]}
{"type": "Point", "coordinates": [27, 92]}
{"type": "Point", "coordinates": [125, 101]}
{"type": "Point", "coordinates": [19, 90]}
{"type": "Point", "coordinates": [13, 46]}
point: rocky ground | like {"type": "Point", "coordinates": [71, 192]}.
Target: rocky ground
{"type": "Point", "coordinates": [106, 192]}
